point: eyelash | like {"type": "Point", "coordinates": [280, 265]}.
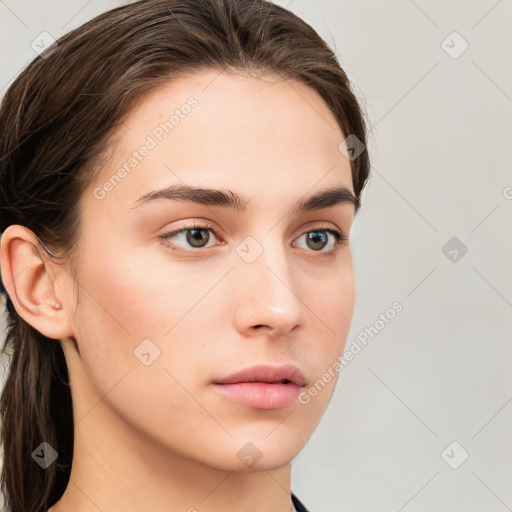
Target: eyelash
{"type": "Point", "coordinates": [340, 239]}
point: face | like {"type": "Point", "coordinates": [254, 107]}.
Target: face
{"type": "Point", "coordinates": [180, 291]}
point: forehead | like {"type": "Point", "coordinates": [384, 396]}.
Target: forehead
{"type": "Point", "coordinates": [267, 134]}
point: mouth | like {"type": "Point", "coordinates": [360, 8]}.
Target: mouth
{"type": "Point", "coordinates": [263, 386]}
{"type": "Point", "coordinates": [263, 373]}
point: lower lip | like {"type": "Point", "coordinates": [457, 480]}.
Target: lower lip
{"type": "Point", "coordinates": [261, 395]}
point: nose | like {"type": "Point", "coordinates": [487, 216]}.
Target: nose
{"type": "Point", "coordinates": [267, 295]}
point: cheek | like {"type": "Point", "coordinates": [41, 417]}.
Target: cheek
{"type": "Point", "coordinates": [331, 310]}
{"type": "Point", "coordinates": [130, 310]}
{"type": "Point", "coordinates": [331, 302]}
{"type": "Point", "coordinates": [136, 297]}
{"type": "Point", "coordinates": [137, 307]}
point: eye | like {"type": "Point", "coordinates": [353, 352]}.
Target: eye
{"type": "Point", "coordinates": [319, 239]}
{"type": "Point", "coordinates": [195, 237]}
{"type": "Point", "coordinates": [191, 239]}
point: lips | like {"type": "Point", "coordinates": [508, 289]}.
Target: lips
{"type": "Point", "coordinates": [263, 386]}
{"type": "Point", "coordinates": [266, 374]}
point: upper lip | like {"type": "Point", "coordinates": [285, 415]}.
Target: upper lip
{"type": "Point", "coordinates": [266, 373]}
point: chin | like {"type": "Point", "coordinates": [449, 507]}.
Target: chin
{"type": "Point", "coordinates": [265, 451]}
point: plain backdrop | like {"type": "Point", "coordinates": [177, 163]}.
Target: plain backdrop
{"type": "Point", "coordinates": [421, 416]}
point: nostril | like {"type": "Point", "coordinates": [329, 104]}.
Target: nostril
{"type": "Point", "coordinates": [260, 325]}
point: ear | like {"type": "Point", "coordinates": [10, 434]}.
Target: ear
{"type": "Point", "coordinates": [28, 275]}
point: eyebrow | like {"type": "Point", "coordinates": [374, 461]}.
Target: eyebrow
{"type": "Point", "coordinates": [228, 199]}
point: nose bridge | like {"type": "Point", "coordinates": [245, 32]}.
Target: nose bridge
{"type": "Point", "coordinates": [267, 289]}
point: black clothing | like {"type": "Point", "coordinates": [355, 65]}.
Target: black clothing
{"type": "Point", "coordinates": [298, 504]}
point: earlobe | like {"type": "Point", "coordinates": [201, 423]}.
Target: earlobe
{"type": "Point", "coordinates": [28, 276]}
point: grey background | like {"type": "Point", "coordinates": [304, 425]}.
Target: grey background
{"type": "Point", "coordinates": [441, 370]}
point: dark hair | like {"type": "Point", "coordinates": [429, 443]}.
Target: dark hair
{"type": "Point", "coordinates": [55, 123]}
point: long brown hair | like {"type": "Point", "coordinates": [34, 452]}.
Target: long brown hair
{"type": "Point", "coordinates": [55, 123]}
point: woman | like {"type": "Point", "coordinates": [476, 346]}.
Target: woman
{"type": "Point", "coordinates": [178, 179]}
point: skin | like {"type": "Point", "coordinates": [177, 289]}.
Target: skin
{"type": "Point", "coordinates": [159, 437]}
